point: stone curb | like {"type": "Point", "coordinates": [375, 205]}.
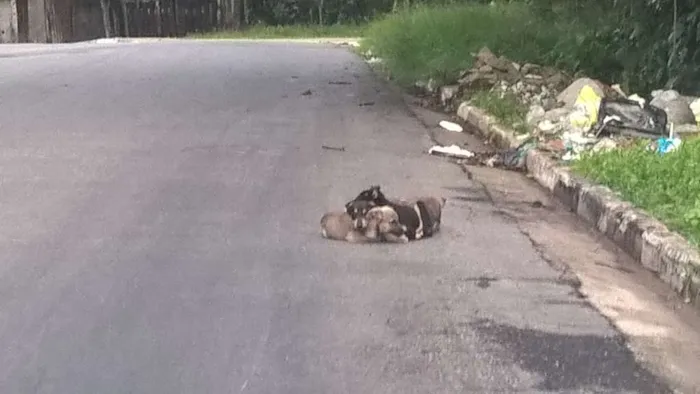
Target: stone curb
{"type": "Point", "coordinates": [647, 240]}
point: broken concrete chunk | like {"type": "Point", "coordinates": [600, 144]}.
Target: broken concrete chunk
{"type": "Point", "coordinates": [686, 131]}
{"type": "Point", "coordinates": [695, 107]}
{"type": "Point", "coordinates": [546, 126]}
{"type": "Point", "coordinates": [447, 93]}
{"type": "Point", "coordinates": [569, 95]}
{"type": "Point", "coordinates": [557, 115]}
{"type": "Point", "coordinates": [535, 114]}
{"type": "Point", "coordinates": [677, 109]}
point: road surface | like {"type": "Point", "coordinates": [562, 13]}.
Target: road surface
{"type": "Point", "coordinates": [159, 234]}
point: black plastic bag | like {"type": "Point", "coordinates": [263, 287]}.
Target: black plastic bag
{"type": "Point", "coordinates": [629, 118]}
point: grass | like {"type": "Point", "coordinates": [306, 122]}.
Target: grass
{"type": "Point", "coordinates": [666, 186]}
{"type": "Point", "coordinates": [291, 31]}
{"type": "Point", "coordinates": [507, 109]}
{"type": "Point", "coordinates": [439, 42]}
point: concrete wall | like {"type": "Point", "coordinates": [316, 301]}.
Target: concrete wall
{"type": "Point", "coordinates": [8, 32]}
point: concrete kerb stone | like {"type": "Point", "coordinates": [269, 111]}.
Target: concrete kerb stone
{"type": "Point", "coordinates": [648, 241]}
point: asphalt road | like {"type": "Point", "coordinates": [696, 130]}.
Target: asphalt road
{"type": "Point", "coordinates": [159, 234]}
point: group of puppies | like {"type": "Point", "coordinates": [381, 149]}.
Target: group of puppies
{"type": "Point", "coordinates": [372, 217]}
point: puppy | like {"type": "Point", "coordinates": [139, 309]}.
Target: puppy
{"type": "Point", "coordinates": [414, 215]}
{"type": "Point", "coordinates": [341, 227]}
{"type": "Point", "coordinates": [433, 206]}
{"type": "Point", "coordinates": [372, 195]}
{"type": "Point", "coordinates": [382, 222]}
{"type": "Point", "coordinates": [369, 225]}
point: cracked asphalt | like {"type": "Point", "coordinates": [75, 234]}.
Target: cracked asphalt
{"type": "Point", "coordinates": [159, 234]}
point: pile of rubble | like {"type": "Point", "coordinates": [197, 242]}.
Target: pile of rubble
{"type": "Point", "coordinates": [563, 112]}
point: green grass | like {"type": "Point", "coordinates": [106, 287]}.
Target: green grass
{"type": "Point", "coordinates": [292, 31]}
{"type": "Point", "coordinates": [507, 109]}
{"type": "Point", "coordinates": [439, 42]}
{"type": "Point", "coordinates": [666, 186]}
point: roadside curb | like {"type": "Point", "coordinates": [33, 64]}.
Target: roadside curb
{"type": "Point", "coordinates": [648, 241]}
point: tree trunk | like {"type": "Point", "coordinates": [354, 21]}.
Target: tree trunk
{"type": "Point", "coordinates": [137, 18]}
{"type": "Point", "coordinates": [238, 14]}
{"type": "Point", "coordinates": [320, 12]}
{"type": "Point", "coordinates": [125, 16]}
{"type": "Point", "coordinates": [176, 25]}
{"type": "Point", "coordinates": [159, 20]}
{"type": "Point", "coordinates": [105, 17]}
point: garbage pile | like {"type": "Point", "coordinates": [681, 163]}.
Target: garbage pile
{"type": "Point", "coordinates": [568, 117]}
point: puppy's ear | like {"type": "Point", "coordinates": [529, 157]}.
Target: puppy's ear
{"type": "Point", "coordinates": [375, 191]}
{"type": "Point", "coordinates": [348, 205]}
{"type": "Point", "coordinates": [443, 200]}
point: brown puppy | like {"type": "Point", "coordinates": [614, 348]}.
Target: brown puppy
{"type": "Point", "coordinates": [409, 215]}
{"type": "Point", "coordinates": [340, 226]}
{"type": "Point", "coordinates": [422, 215]}
{"type": "Point", "coordinates": [363, 225]}
{"type": "Point", "coordinates": [382, 223]}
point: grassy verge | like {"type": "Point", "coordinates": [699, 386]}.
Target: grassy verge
{"type": "Point", "coordinates": [666, 186]}
{"type": "Point", "coordinates": [438, 42]}
{"type": "Point", "coordinates": [507, 109]}
{"type": "Point", "coordinates": [292, 31]}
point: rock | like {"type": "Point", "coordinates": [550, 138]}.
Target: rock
{"type": "Point", "coordinates": [535, 114]}
{"type": "Point", "coordinates": [686, 131]}
{"type": "Point", "coordinates": [534, 79]}
{"type": "Point", "coordinates": [432, 86]}
{"type": "Point", "coordinates": [546, 126]}
{"type": "Point", "coordinates": [690, 99]}
{"type": "Point", "coordinates": [529, 68]}
{"type": "Point", "coordinates": [421, 85]}
{"type": "Point", "coordinates": [666, 95]}
{"type": "Point", "coordinates": [477, 80]}
{"type": "Point", "coordinates": [569, 95]}
{"type": "Point", "coordinates": [549, 103]}
{"type": "Point", "coordinates": [695, 107]}
{"type": "Point", "coordinates": [485, 69]}
{"type": "Point", "coordinates": [655, 93]}
{"type": "Point", "coordinates": [605, 144]}
{"type": "Point", "coordinates": [485, 57]}
{"type": "Point", "coordinates": [557, 115]}
{"type": "Point", "coordinates": [676, 107]}
{"type": "Point", "coordinates": [557, 81]}
{"type": "Point", "coordinates": [447, 93]}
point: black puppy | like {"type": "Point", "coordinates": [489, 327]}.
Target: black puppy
{"type": "Point", "coordinates": [414, 216]}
